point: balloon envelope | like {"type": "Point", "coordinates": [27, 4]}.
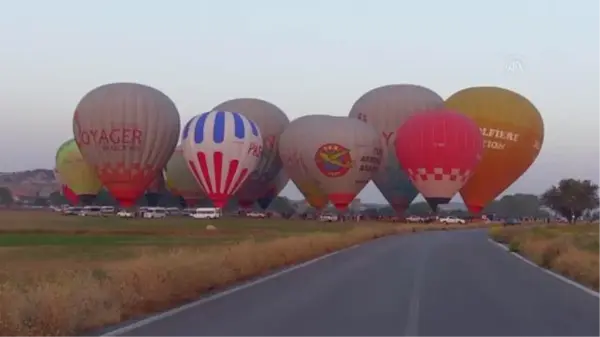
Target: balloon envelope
{"type": "Point", "coordinates": [271, 121]}
{"type": "Point", "coordinates": [180, 180]}
{"type": "Point", "coordinates": [74, 172]}
{"type": "Point", "coordinates": [386, 108]}
{"type": "Point", "coordinates": [155, 190]}
{"type": "Point", "coordinates": [68, 193]}
{"type": "Point", "coordinates": [273, 190]}
{"type": "Point", "coordinates": [128, 132]}
{"type": "Point", "coordinates": [222, 148]}
{"type": "Point", "coordinates": [513, 132]}
{"type": "Point", "coordinates": [290, 144]}
{"type": "Point", "coordinates": [342, 154]}
{"type": "Point", "coordinates": [439, 150]}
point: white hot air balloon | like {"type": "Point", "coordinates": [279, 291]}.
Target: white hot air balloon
{"type": "Point", "coordinates": [222, 148]}
{"type": "Point", "coordinates": [127, 132]}
{"type": "Point", "coordinates": [386, 108]}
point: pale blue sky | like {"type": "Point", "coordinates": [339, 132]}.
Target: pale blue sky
{"type": "Point", "coordinates": [304, 56]}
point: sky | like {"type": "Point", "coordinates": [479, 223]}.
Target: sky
{"type": "Point", "coordinates": [304, 56]}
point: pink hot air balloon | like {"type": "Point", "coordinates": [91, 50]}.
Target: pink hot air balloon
{"type": "Point", "coordinates": [222, 149]}
{"type": "Point", "coordinates": [439, 149]}
{"type": "Point", "coordinates": [128, 132]}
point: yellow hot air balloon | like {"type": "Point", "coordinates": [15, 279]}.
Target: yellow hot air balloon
{"type": "Point", "coordinates": [290, 145]}
{"type": "Point", "coordinates": [76, 173]}
{"type": "Point", "coordinates": [180, 181]}
{"type": "Point", "coordinates": [513, 132]}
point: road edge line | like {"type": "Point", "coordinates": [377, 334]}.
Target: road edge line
{"type": "Point", "coordinates": [165, 314]}
{"type": "Point", "coordinates": [547, 271]}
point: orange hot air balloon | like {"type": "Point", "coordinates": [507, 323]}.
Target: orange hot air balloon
{"type": "Point", "coordinates": [128, 132]}
{"type": "Point", "coordinates": [513, 132]}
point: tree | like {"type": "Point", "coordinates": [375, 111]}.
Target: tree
{"type": "Point", "coordinates": [571, 198]}
{"type": "Point", "coordinates": [517, 206]}
{"type": "Point", "coordinates": [56, 198]}
{"type": "Point", "coordinates": [6, 197]}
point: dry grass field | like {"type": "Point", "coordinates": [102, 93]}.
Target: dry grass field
{"type": "Point", "coordinates": [571, 250]}
{"type": "Point", "coordinates": [64, 275]}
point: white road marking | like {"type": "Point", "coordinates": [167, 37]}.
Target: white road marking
{"type": "Point", "coordinates": [547, 271]}
{"type": "Point", "coordinates": [412, 321]}
{"type": "Point", "coordinates": [174, 311]}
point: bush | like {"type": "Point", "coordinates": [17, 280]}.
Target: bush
{"type": "Point", "coordinates": [513, 246]}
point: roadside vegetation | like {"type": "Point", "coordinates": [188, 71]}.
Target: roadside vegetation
{"type": "Point", "coordinates": [66, 275]}
{"type": "Point", "coordinates": [570, 250]}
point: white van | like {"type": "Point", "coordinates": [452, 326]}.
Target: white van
{"type": "Point", "coordinates": [107, 210]}
{"type": "Point", "coordinates": [154, 213]}
{"type": "Point", "coordinates": [206, 213]}
{"type": "Point", "coordinates": [91, 211]}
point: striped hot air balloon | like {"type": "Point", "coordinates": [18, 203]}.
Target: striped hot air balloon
{"type": "Point", "coordinates": [222, 148]}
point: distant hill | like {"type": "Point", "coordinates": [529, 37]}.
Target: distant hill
{"type": "Point", "coordinates": [29, 184]}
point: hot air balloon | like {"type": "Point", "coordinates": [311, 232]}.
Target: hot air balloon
{"type": "Point", "coordinates": [439, 149]}
{"type": "Point", "coordinates": [74, 172]}
{"type": "Point", "coordinates": [128, 132]}
{"type": "Point", "coordinates": [155, 189]}
{"type": "Point", "coordinates": [222, 149]}
{"type": "Point", "coordinates": [291, 142]}
{"type": "Point", "coordinates": [68, 193]}
{"type": "Point", "coordinates": [513, 132]}
{"type": "Point", "coordinates": [271, 122]}
{"type": "Point", "coordinates": [341, 154]}
{"type": "Point", "coordinates": [65, 191]}
{"type": "Point", "coordinates": [386, 108]}
{"type": "Point", "coordinates": [273, 190]}
{"type": "Point", "coordinates": [180, 180]}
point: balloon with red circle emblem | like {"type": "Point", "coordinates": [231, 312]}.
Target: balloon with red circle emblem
{"type": "Point", "coordinates": [222, 148]}
{"type": "Point", "coordinates": [128, 132]}
{"type": "Point", "coordinates": [439, 150]}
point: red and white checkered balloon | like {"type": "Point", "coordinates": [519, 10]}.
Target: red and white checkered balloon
{"type": "Point", "coordinates": [439, 150]}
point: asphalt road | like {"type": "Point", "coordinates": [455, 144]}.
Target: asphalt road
{"type": "Point", "coordinates": [436, 283]}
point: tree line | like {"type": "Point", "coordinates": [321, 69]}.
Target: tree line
{"type": "Point", "coordinates": [569, 198]}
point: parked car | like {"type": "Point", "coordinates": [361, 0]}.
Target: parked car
{"type": "Point", "coordinates": [206, 213]}
{"type": "Point", "coordinates": [91, 211]}
{"type": "Point", "coordinates": [71, 210]}
{"type": "Point", "coordinates": [256, 215]}
{"type": "Point", "coordinates": [452, 220]}
{"type": "Point", "coordinates": [511, 222]}
{"type": "Point", "coordinates": [154, 213]}
{"type": "Point", "coordinates": [107, 210]}
{"type": "Point", "coordinates": [126, 214]}
{"type": "Point", "coordinates": [328, 217]}
{"type": "Point", "coordinates": [414, 218]}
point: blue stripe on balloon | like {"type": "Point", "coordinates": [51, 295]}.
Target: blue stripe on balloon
{"type": "Point", "coordinates": [186, 129]}
{"type": "Point", "coordinates": [254, 128]}
{"type": "Point", "coordinates": [219, 127]}
{"type": "Point", "coordinates": [238, 123]}
{"type": "Point", "coordinates": [199, 129]}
